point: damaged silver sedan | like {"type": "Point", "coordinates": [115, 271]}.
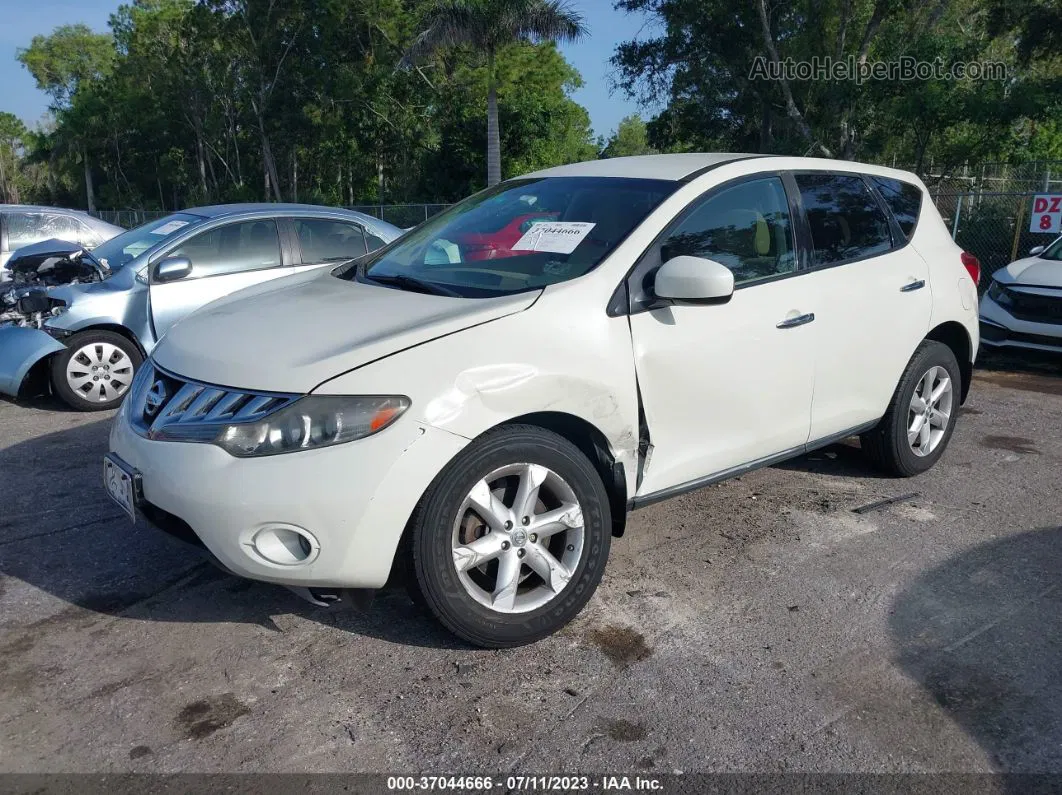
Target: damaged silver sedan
{"type": "Point", "coordinates": [81, 322]}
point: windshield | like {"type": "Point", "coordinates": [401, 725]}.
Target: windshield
{"type": "Point", "coordinates": [520, 235]}
{"type": "Point", "coordinates": [1053, 252]}
{"type": "Point", "coordinates": [120, 250]}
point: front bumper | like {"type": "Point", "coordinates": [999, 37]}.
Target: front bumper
{"type": "Point", "coordinates": [353, 500]}
{"type": "Point", "coordinates": [1000, 329]}
{"type": "Point", "coordinates": [20, 349]}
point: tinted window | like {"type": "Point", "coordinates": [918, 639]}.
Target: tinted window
{"type": "Point", "coordinates": [846, 220]}
{"type": "Point", "coordinates": [519, 235]}
{"type": "Point", "coordinates": [26, 228]}
{"type": "Point", "coordinates": [246, 246]}
{"type": "Point", "coordinates": [904, 199]}
{"type": "Point", "coordinates": [323, 240]}
{"type": "Point", "coordinates": [745, 227]}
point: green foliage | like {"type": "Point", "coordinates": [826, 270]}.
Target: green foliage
{"type": "Point", "coordinates": [631, 138]}
{"type": "Point", "coordinates": [701, 67]}
{"type": "Point", "coordinates": [192, 94]}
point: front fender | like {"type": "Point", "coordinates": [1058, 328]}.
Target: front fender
{"type": "Point", "coordinates": [20, 349]}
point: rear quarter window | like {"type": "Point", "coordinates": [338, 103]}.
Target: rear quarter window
{"type": "Point", "coordinates": [903, 199]}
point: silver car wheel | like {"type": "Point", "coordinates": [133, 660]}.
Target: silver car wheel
{"type": "Point", "coordinates": [99, 372]}
{"type": "Point", "coordinates": [518, 538]}
{"type": "Point", "coordinates": [930, 411]}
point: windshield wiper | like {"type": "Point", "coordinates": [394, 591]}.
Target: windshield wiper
{"type": "Point", "coordinates": [412, 283]}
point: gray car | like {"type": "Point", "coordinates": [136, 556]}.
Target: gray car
{"type": "Point", "coordinates": [91, 317]}
{"type": "Point", "coordinates": [24, 224]}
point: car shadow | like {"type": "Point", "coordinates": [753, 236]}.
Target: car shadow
{"type": "Point", "coordinates": [842, 459]}
{"type": "Point", "coordinates": [60, 533]}
{"type": "Point", "coordinates": [982, 633]}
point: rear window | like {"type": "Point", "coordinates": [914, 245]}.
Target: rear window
{"type": "Point", "coordinates": [904, 199]}
{"type": "Point", "coordinates": [846, 221]}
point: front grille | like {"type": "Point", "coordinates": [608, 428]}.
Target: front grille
{"type": "Point", "coordinates": [164, 406]}
{"type": "Point", "coordinates": [1033, 307]}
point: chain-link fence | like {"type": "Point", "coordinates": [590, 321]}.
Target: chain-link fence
{"type": "Point", "coordinates": [401, 215]}
{"type": "Point", "coordinates": [994, 227]}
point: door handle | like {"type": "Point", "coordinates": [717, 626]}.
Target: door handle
{"type": "Point", "coordinates": [799, 320]}
{"type": "Point", "coordinates": [912, 286]}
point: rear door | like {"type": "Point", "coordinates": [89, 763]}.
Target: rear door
{"type": "Point", "coordinates": [873, 294]}
{"type": "Point", "coordinates": [224, 259]}
{"type": "Point", "coordinates": [324, 241]}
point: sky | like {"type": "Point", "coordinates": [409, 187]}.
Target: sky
{"type": "Point", "coordinates": [22, 20]}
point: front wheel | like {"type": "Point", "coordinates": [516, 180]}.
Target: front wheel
{"type": "Point", "coordinates": [95, 370]}
{"type": "Point", "coordinates": [511, 539]}
{"type": "Point", "coordinates": [917, 427]}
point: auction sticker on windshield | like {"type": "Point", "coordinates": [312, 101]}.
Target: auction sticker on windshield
{"type": "Point", "coordinates": [168, 228]}
{"type": "Point", "coordinates": [556, 237]}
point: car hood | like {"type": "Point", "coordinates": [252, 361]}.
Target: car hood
{"type": "Point", "coordinates": [1031, 271]}
{"type": "Point", "coordinates": [292, 334]}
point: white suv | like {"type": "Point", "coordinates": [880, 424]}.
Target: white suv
{"type": "Point", "coordinates": [481, 402]}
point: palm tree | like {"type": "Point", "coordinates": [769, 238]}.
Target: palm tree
{"type": "Point", "coordinates": [487, 26]}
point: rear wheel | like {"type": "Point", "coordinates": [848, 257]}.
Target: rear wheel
{"type": "Point", "coordinates": [95, 370]}
{"type": "Point", "coordinates": [511, 540]}
{"type": "Point", "coordinates": [917, 427]}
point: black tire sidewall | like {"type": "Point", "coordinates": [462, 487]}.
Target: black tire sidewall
{"type": "Point", "coordinates": [75, 343]}
{"type": "Point", "coordinates": [433, 527]}
{"type": "Point", "coordinates": [932, 354]}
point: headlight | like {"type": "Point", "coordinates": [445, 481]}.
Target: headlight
{"type": "Point", "coordinates": [998, 293]}
{"type": "Point", "coordinates": [310, 423]}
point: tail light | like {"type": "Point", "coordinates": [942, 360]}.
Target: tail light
{"type": "Point", "coordinates": [972, 265]}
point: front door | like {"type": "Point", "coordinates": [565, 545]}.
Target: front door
{"type": "Point", "coordinates": [224, 259]}
{"type": "Point", "coordinates": [728, 384]}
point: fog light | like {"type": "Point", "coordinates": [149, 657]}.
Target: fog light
{"type": "Point", "coordinates": [285, 545]}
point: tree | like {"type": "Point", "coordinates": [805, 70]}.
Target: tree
{"type": "Point", "coordinates": [487, 26]}
{"type": "Point", "coordinates": [630, 138]}
{"type": "Point", "coordinates": [67, 64]}
{"type": "Point", "coordinates": [13, 137]}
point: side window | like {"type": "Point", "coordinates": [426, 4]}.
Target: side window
{"type": "Point", "coordinates": [745, 227]}
{"type": "Point", "coordinates": [904, 199]}
{"type": "Point", "coordinates": [245, 246]}
{"type": "Point", "coordinates": [846, 220]}
{"type": "Point", "coordinates": [324, 240]}
{"type": "Point", "coordinates": [87, 236]}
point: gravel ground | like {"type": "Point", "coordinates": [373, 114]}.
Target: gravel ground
{"type": "Point", "coordinates": [758, 625]}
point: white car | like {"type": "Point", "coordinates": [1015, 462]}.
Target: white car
{"type": "Point", "coordinates": [481, 402]}
{"type": "Point", "coordinates": [1023, 306]}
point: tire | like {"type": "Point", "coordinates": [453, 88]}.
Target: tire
{"type": "Point", "coordinates": [473, 604]}
{"type": "Point", "coordinates": [83, 389]}
{"type": "Point", "coordinates": [888, 446]}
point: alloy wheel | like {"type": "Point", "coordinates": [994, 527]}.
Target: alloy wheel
{"type": "Point", "coordinates": [930, 411]}
{"type": "Point", "coordinates": [518, 538]}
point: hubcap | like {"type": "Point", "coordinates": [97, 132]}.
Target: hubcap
{"type": "Point", "coordinates": [930, 411]}
{"type": "Point", "coordinates": [99, 372]}
{"type": "Point", "coordinates": [518, 538]}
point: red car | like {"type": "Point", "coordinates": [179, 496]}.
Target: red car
{"type": "Point", "coordinates": [498, 244]}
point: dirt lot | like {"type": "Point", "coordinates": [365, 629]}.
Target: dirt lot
{"type": "Point", "coordinates": [758, 625]}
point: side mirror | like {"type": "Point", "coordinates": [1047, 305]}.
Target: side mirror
{"type": "Point", "coordinates": [1036, 250]}
{"type": "Point", "coordinates": [172, 268]}
{"type": "Point", "coordinates": [694, 280]}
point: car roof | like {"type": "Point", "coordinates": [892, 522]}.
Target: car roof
{"type": "Point", "coordinates": [687, 165]}
{"type": "Point", "coordinates": [282, 208]}
{"type": "Point", "coordinates": [668, 167]}
{"type": "Point", "coordinates": [39, 208]}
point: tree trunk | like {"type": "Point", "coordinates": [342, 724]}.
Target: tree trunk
{"type": "Point", "coordinates": [267, 159]}
{"type": "Point", "coordinates": [202, 164]}
{"type": "Point", "coordinates": [294, 175]}
{"type": "Point", "coordinates": [493, 136]}
{"type": "Point", "coordinates": [3, 182]}
{"type": "Point", "coordinates": [90, 196]}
